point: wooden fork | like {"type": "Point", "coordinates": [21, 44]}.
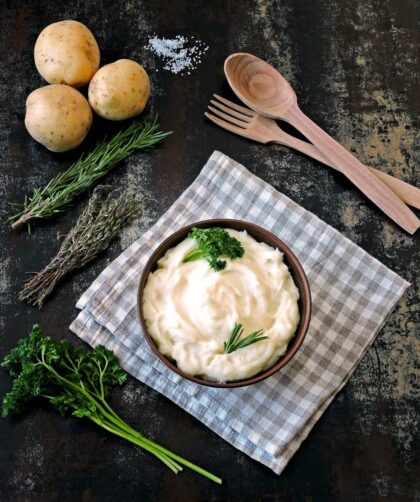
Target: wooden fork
{"type": "Point", "coordinates": [251, 125]}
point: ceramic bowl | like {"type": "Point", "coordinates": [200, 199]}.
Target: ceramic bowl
{"type": "Point", "coordinates": [261, 235]}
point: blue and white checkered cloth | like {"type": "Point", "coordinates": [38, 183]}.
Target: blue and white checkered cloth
{"type": "Point", "coordinates": [352, 296]}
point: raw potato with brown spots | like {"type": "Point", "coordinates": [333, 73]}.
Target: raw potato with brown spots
{"type": "Point", "coordinates": [119, 90]}
{"type": "Point", "coordinates": [67, 53]}
{"type": "Point", "coordinates": [58, 117]}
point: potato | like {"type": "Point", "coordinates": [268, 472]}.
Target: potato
{"type": "Point", "coordinates": [67, 53]}
{"type": "Point", "coordinates": [119, 90]}
{"type": "Point", "coordinates": [58, 117]}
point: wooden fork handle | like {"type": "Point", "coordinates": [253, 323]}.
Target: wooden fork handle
{"type": "Point", "coordinates": [406, 192]}
{"type": "Point", "coordinates": [379, 193]}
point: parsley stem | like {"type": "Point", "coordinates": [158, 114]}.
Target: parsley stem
{"type": "Point", "coordinates": [167, 461]}
{"type": "Point", "coordinates": [132, 432]}
{"type": "Point", "coordinates": [195, 254]}
{"type": "Point", "coordinates": [120, 428]}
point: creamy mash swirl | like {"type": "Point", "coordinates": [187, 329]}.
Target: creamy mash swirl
{"type": "Point", "coordinates": [190, 310]}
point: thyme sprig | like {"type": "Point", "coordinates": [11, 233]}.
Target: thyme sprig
{"type": "Point", "coordinates": [234, 341]}
{"type": "Point", "coordinates": [105, 215]}
{"type": "Point", "coordinates": [56, 196]}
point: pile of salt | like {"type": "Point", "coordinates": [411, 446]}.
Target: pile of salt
{"type": "Point", "coordinates": [178, 54]}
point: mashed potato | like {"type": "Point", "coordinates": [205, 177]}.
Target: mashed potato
{"type": "Point", "coordinates": [190, 310]}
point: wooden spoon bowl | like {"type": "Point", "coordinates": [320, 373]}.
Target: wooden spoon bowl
{"type": "Point", "coordinates": [261, 86]}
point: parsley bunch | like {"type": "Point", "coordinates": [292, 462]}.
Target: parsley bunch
{"type": "Point", "coordinates": [76, 381]}
{"type": "Point", "coordinates": [212, 244]}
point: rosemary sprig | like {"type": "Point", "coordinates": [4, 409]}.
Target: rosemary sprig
{"type": "Point", "coordinates": [89, 168]}
{"type": "Point", "coordinates": [105, 215]}
{"type": "Point", "coordinates": [234, 342]}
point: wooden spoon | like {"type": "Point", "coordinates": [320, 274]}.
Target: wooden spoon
{"type": "Point", "coordinates": [266, 91]}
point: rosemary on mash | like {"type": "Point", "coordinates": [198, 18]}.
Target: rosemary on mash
{"type": "Point", "coordinates": [234, 341]}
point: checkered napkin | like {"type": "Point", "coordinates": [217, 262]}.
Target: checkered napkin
{"type": "Point", "coordinates": [352, 296]}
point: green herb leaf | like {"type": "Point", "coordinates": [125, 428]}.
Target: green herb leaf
{"type": "Point", "coordinates": [234, 342]}
{"type": "Point", "coordinates": [212, 244]}
{"type": "Point", "coordinates": [56, 196]}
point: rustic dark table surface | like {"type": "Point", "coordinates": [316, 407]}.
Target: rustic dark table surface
{"type": "Point", "coordinates": [354, 65]}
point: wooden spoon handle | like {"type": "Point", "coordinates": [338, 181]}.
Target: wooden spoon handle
{"type": "Point", "coordinates": [406, 192]}
{"type": "Point", "coordinates": [356, 172]}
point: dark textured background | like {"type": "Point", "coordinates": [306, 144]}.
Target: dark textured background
{"type": "Point", "coordinates": [354, 66]}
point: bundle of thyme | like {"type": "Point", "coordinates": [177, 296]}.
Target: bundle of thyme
{"type": "Point", "coordinates": [83, 174]}
{"type": "Point", "coordinates": [105, 215]}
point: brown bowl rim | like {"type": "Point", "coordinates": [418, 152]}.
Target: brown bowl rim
{"type": "Point", "coordinates": [291, 261]}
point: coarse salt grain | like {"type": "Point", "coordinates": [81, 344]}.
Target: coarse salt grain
{"type": "Point", "coordinates": [178, 54]}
